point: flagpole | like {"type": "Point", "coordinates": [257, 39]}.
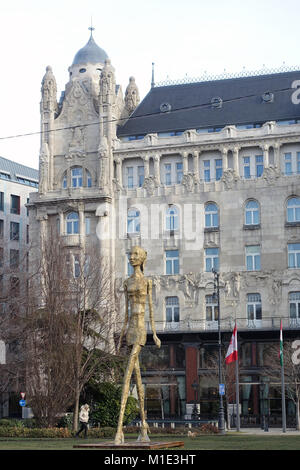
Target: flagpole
{"type": "Point", "coordinates": [237, 392]}
{"type": "Point", "coordinates": [282, 381]}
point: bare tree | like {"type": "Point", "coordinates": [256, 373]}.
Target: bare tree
{"type": "Point", "coordinates": [272, 370]}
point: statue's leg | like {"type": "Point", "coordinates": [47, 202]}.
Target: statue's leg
{"type": "Point", "coordinates": [119, 437]}
{"type": "Point", "coordinates": [143, 436]}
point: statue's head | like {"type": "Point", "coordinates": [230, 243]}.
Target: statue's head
{"type": "Point", "coordinates": [138, 257]}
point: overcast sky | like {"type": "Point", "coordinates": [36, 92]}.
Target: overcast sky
{"type": "Point", "coordinates": [182, 37]}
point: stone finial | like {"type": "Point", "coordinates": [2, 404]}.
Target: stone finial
{"type": "Point", "coordinates": [49, 90]}
{"type": "Point", "coordinates": [132, 97]}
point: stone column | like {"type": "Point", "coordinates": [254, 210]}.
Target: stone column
{"type": "Point", "coordinates": [224, 152]}
{"type": "Point", "coordinates": [235, 152]}
{"type": "Point", "coordinates": [146, 166]}
{"type": "Point", "coordinates": [191, 371]}
{"type": "Point", "coordinates": [156, 159]}
{"type": "Point", "coordinates": [277, 147]}
{"type": "Point", "coordinates": [185, 163]}
{"type": "Point", "coordinates": [61, 223]}
{"type": "Point", "coordinates": [81, 222]}
{"type": "Point", "coordinates": [196, 155]}
{"type": "Point", "coordinates": [265, 149]}
{"type": "Point", "coordinates": [119, 177]}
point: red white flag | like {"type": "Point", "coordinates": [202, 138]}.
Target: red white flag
{"type": "Point", "coordinates": [232, 352]}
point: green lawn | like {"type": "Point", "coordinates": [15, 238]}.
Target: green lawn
{"type": "Point", "coordinates": [231, 441]}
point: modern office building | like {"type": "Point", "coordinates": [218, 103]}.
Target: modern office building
{"type": "Point", "coordinates": [16, 183]}
{"type": "Point", "coordinates": [203, 175]}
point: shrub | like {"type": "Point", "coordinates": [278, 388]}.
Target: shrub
{"type": "Point", "coordinates": [209, 428]}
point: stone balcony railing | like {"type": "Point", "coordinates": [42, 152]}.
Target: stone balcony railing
{"type": "Point", "coordinates": [226, 325]}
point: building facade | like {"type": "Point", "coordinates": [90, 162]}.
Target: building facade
{"type": "Point", "coordinates": [203, 176]}
{"type": "Point", "coordinates": [16, 183]}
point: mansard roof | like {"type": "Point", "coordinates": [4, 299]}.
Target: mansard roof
{"type": "Point", "coordinates": [91, 53]}
{"type": "Point", "coordinates": [216, 103]}
{"type": "Point", "coordinates": [17, 171]}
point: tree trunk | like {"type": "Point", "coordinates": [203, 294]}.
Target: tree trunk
{"type": "Point", "coordinates": [297, 415]}
{"type": "Point", "coordinates": [76, 409]}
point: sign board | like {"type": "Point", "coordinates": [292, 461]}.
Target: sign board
{"type": "Point", "coordinates": [22, 395]}
{"type": "Point", "coordinates": [22, 403]}
{"type": "Point", "coordinates": [221, 389]}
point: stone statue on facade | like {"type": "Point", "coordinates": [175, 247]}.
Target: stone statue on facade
{"type": "Point", "coordinates": [132, 97]}
{"type": "Point", "coordinates": [138, 291]}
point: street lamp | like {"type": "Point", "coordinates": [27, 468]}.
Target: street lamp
{"type": "Point", "coordinates": [217, 295]}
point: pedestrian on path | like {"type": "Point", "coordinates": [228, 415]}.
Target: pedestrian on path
{"type": "Point", "coordinates": [83, 420]}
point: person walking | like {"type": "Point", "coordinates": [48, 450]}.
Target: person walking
{"type": "Point", "coordinates": [83, 419]}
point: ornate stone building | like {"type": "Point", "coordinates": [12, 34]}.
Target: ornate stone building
{"type": "Point", "coordinates": [202, 175]}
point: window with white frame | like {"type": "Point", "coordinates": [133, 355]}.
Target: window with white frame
{"type": "Point", "coordinates": [298, 162]}
{"type": "Point", "coordinates": [65, 181]}
{"type": "Point", "coordinates": [133, 221]}
{"type": "Point", "coordinates": [179, 172]}
{"type": "Point", "coordinates": [293, 209]}
{"type": "Point", "coordinates": [140, 170]}
{"type": "Point", "coordinates": [253, 258]}
{"type": "Point", "coordinates": [288, 163]}
{"type": "Point", "coordinates": [88, 179]}
{"type": "Point", "coordinates": [130, 269]}
{"type": "Point", "coordinates": [172, 310]}
{"type": "Point", "coordinates": [252, 216]}
{"type": "Point", "coordinates": [211, 216]}
{"type": "Point", "coordinates": [72, 223]}
{"type": "Point", "coordinates": [168, 174]}
{"type": "Point", "coordinates": [129, 177]}
{"type": "Point", "coordinates": [211, 308]}
{"type": "Point", "coordinates": [206, 165]}
{"type": "Point", "coordinates": [87, 225]}
{"type": "Point", "coordinates": [211, 259]}
{"type": "Point", "coordinates": [76, 266]}
{"type": "Point", "coordinates": [77, 177]}
{"type": "Point", "coordinates": [294, 307]}
{"type": "Point", "coordinates": [259, 164]}
{"type": "Point", "coordinates": [218, 168]}
{"type": "Point", "coordinates": [172, 218]}
{"type": "Point", "coordinates": [172, 261]}
{"type": "Point", "coordinates": [254, 309]}
{"type": "Point", "coordinates": [246, 167]}
{"type": "Point", "coordinates": [294, 255]}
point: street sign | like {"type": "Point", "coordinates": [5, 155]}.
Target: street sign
{"type": "Point", "coordinates": [22, 395]}
{"type": "Point", "coordinates": [221, 389]}
{"type": "Point", "coordinates": [22, 403]}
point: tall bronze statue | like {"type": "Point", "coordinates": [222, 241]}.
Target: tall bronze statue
{"type": "Point", "coordinates": [138, 290]}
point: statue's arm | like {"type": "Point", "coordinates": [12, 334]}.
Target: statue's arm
{"type": "Point", "coordinates": [123, 331]}
{"type": "Point", "coordinates": [149, 291]}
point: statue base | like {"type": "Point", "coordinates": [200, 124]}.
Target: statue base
{"type": "Point", "coordinates": [132, 445]}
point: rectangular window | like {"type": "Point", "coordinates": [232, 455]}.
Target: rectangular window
{"type": "Point", "coordinates": [129, 170]}
{"type": "Point", "coordinates": [179, 172]}
{"type": "Point", "coordinates": [172, 309]}
{"type": "Point", "coordinates": [219, 170]}
{"type": "Point", "coordinates": [87, 225]}
{"type": "Point", "coordinates": [246, 163]}
{"type": "Point", "coordinates": [253, 258]}
{"type": "Point", "coordinates": [259, 161]}
{"type": "Point", "coordinates": [1, 228]}
{"type": "Point", "coordinates": [1, 201]}
{"type": "Point", "coordinates": [130, 269]}
{"type": "Point", "coordinates": [14, 258]}
{"type": "Point", "coordinates": [288, 163]}
{"type": "Point", "coordinates": [168, 174]}
{"type": "Point", "coordinates": [294, 302]}
{"type": "Point", "coordinates": [172, 262]}
{"type": "Point", "coordinates": [294, 255]}
{"type": "Point", "coordinates": [140, 176]}
{"type": "Point", "coordinates": [27, 233]}
{"type": "Point", "coordinates": [211, 259]}
{"type": "Point", "coordinates": [206, 164]}
{"type": "Point", "coordinates": [298, 162]}
{"type": "Point", "coordinates": [14, 204]}
{"type": "Point", "coordinates": [77, 177]}
{"type": "Point", "coordinates": [254, 310]}
{"type": "Point", "coordinates": [14, 231]}
{"type": "Point", "coordinates": [76, 266]}
{"type": "Point", "coordinates": [212, 312]}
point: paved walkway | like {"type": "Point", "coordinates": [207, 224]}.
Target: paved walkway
{"type": "Point", "coordinates": [272, 431]}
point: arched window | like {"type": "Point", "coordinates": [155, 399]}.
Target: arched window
{"type": "Point", "coordinates": [76, 177]}
{"type": "Point", "coordinates": [252, 216]}
{"type": "Point", "coordinates": [172, 218]}
{"type": "Point", "coordinates": [72, 223]}
{"type": "Point", "coordinates": [211, 216]}
{"type": "Point", "coordinates": [172, 310]}
{"type": "Point", "coordinates": [293, 209]}
{"type": "Point", "coordinates": [133, 221]}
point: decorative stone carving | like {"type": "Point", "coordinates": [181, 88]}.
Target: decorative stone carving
{"type": "Point", "coordinates": [77, 145]}
{"type": "Point", "coordinates": [49, 91]}
{"type": "Point", "coordinates": [150, 184]}
{"type": "Point", "coordinates": [107, 82]}
{"type": "Point", "coordinates": [104, 163]}
{"type": "Point", "coordinates": [232, 285]}
{"type": "Point", "coordinates": [229, 178]}
{"type": "Point", "coordinates": [132, 97]}
{"type": "Point", "coordinates": [43, 170]}
{"type": "Point", "coordinates": [271, 174]}
{"type": "Point", "coordinates": [188, 181]}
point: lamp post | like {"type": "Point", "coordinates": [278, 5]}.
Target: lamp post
{"type": "Point", "coordinates": [196, 391]}
{"type": "Point", "coordinates": [221, 407]}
